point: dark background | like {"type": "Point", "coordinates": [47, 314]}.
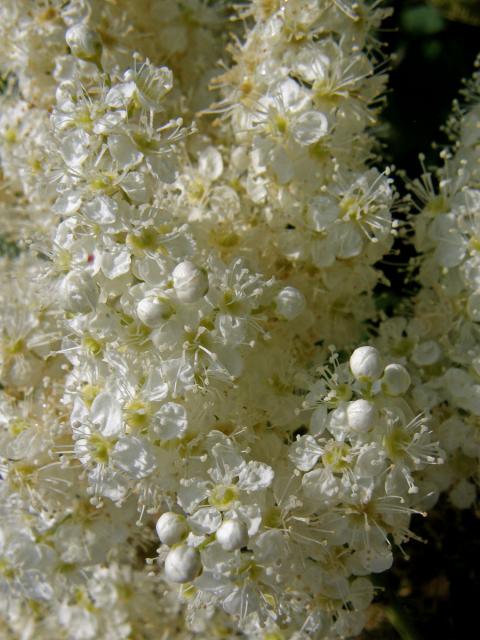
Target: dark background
{"type": "Point", "coordinates": [434, 53]}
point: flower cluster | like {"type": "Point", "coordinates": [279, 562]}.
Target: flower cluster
{"type": "Point", "coordinates": [439, 341]}
{"type": "Point", "coordinates": [182, 455]}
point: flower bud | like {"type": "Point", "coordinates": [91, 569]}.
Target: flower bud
{"type": "Point", "coordinates": [152, 311]}
{"type": "Point", "coordinates": [79, 292]}
{"type": "Point", "coordinates": [396, 380]}
{"type": "Point", "coordinates": [171, 528]}
{"type": "Point", "coordinates": [182, 564]}
{"type": "Point", "coordinates": [290, 303]}
{"type": "Point", "coordinates": [189, 281]}
{"type": "Point", "coordinates": [366, 364]}
{"type": "Point", "coordinates": [232, 534]}
{"type": "Point", "coordinates": [360, 415]}
{"type": "Point", "coordinates": [84, 43]}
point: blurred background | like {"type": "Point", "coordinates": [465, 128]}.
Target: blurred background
{"type": "Point", "coordinates": [435, 43]}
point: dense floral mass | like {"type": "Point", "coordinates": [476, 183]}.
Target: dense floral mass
{"type": "Point", "coordinates": [207, 428]}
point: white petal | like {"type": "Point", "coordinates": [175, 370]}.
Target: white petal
{"type": "Point", "coordinates": [134, 186]}
{"type": "Point", "coordinates": [255, 476]}
{"type": "Point", "coordinates": [106, 415]}
{"type": "Point", "coordinates": [227, 458]}
{"type": "Point", "coordinates": [210, 164]}
{"type": "Point", "coordinates": [348, 240]}
{"type": "Point", "coordinates": [68, 202]}
{"type": "Point", "coordinates": [323, 252]}
{"type": "Point", "coordinates": [291, 94]}
{"type": "Point", "coordinates": [318, 420]}
{"type": "Point", "coordinates": [134, 456]}
{"type": "Point", "coordinates": [115, 262]}
{"type": "Point", "coordinates": [119, 96]}
{"type": "Point", "coordinates": [305, 452]}
{"type": "Point", "coordinates": [205, 521]}
{"type": "Point", "coordinates": [164, 167]}
{"type": "Point", "coordinates": [74, 148]}
{"type": "Point", "coordinates": [232, 329]}
{"type": "Point", "coordinates": [108, 483]}
{"type": "Point", "coordinates": [282, 165]}
{"type": "Point", "coordinates": [170, 421]}
{"type": "Point", "coordinates": [309, 127]}
{"type": "Point", "coordinates": [322, 212]}
{"type": "Point", "coordinates": [191, 493]}
{"type": "Point", "coordinates": [123, 151]}
{"type": "Point", "coordinates": [111, 121]}
{"type": "Point", "coordinates": [102, 210]}
{"type": "Point", "coordinates": [155, 389]}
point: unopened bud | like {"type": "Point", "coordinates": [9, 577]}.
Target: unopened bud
{"type": "Point", "coordinates": [366, 364]}
{"type": "Point", "coordinates": [189, 281]}
{"type": "Point", "coordinates": [171, 528]}
{"type": "Point", "coordinates": [182, 564]}
{"type": "Point", "coordinates": [232, 534]}
{"type": "Point", "coordinates": [360, 415]}
{"type": "Point", "coordinates": [84, 43]}
{"type": "Point", "coordinates": [152, 311]}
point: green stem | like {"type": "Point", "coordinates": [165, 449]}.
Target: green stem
{"type": "Point", "coordinates": [399, 621]}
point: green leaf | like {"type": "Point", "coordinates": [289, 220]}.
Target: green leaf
{"type": "Point", "coordinates": [422, 20]}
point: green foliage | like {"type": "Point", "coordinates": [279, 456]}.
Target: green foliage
{"type": "Point", "coordinates": [8, 248]}
{"type": "Point", "coordinates": [422, 20]}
